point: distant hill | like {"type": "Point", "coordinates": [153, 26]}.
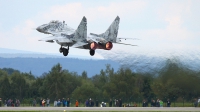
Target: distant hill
{"type": "Point", "coordinates": [40, 65]}
{"type": "Point", "coordinates": [140, 60]}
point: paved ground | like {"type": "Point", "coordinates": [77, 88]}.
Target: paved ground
{"type": "Point", "coordinates": [100, 109]}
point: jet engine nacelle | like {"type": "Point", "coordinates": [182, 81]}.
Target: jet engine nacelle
{"type": "Point", "coordinates": [106, 46]}
{"type": "Point", "coordinates": [93, 45]}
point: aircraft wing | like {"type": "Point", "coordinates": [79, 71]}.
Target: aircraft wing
{"type": "Point", "coordinates": [58, 39]}
{"type": "Point", "coordinates": [48, 39]}
{"type": "Point", "coordinates": [126, 44]}
{"type": "Point", "coordinates": [129, 38]}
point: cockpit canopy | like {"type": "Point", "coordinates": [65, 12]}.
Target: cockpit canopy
{"type": "Point", "coordinates": [54, 21]}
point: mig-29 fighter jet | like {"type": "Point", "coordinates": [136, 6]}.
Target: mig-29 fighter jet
{"type": "Point", "coordinates": [66, 36]}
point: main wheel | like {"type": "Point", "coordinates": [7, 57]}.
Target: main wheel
{"type": "Point", "coordinates": [65, 52]}
{"type": "Point", "coordinates": [92, 52]}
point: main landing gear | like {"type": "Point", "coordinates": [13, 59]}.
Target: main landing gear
{"type": "Point", "coordinates": [92, 52]}
{"type": "Point", "coordinates": [64, 51]}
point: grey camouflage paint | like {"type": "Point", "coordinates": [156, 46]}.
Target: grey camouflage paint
{"type": "Point", "coordinates": [62, 36]}
{"type": "Point", "coordinates": [81, 32]}
{"type": "Point", "coordinates": [112, 32]}
{"type": "Point", "coordinates": [55, 27]}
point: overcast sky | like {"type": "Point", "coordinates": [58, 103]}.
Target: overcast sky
{"type": "Point", "coordinates": [159, 24]}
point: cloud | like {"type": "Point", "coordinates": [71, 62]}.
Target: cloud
{"type": "Point", "coordinates": [124, 9]}
{"type": "Point", "coordinates": [74, 11]}
{"type": "Point", "coordinates": [175, 34]}
{"type": "Point", "coordinates": [70, 11]}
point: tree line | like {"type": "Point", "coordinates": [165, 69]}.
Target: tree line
{"type": "Point", "coordinates": [172, 82]}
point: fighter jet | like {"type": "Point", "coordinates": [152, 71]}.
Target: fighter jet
{"type": "Point", "coordinates": [64, 36]}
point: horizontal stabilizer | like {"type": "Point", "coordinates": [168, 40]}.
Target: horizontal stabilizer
{"type": "Point", "coordinates": [126, 44]}
{"type": "Point", "coordinates": [129, 38]}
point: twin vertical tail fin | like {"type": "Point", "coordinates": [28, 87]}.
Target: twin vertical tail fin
{"type": "Point", "coordinates": [81, 31]}
{"type": "Point", "coordinates": [112, 32]}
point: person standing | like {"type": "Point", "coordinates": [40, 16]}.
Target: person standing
{"type": "Point", "coordinates": [86, 103]}
{"type": "Point", "coordinates": [58, 103]}
{"type": "Point", "coordinates": [195, 102]}
{"type": "Point", "coordinates": [168, 103]}
{"type": "Point", "coordinates": [76, 103]}
{"type": "Point", "coordinates": [115, 103]}
{"type": "Point", "coordinates": [68, 102]}
{"type": "Point", "coordinates": [63, 102]}
{"type": "Point", "coordinates": [41, 102]}
{"type": "Point", "coordinates": [153, 103]}
{"type": "Point", "coordinates": [110, 103]}
{"type": "Point", "coordinates": [144, 103]}
{"type": "Point", "coordinates": [158, 103]}
{"type": "Point", "coordinates": [0, 102]}
{"type": "Point", "coordinates": [34, 103]}
{"type": "Point", "coordinates": [48, 101]}
{"type": "Point", "coordinates": [134, 104]}
{"type": "Point", "coordinates": [120, 102]}
{"type": "Point", "coordinates": [92, 103]}
{"type": "Point", "coordinates": [18, 102]}
{"type": "Point", "coordinates": [199, 101]}
{"type": "Point", "coordinates": [161, 103]}
{"type": "Point", "coordinates": [55, 103]}
{"type": "Point", "coordinates": [5, 103]}
{"type": "Point", "coordinates": [97, 103]}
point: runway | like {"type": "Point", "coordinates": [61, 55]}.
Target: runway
{"type": "Point", "coordinates": [68, 109]}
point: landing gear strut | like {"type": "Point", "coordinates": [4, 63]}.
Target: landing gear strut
{"type": "Point", "coordinates": [61, 49]}
{"type": "Point", "coordinates": [92, 52]}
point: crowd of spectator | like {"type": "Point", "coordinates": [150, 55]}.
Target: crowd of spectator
{"type": "Point", "coordinates": [89, 103]}
{"type": "Point", "coordinates": [56, 103]}
{"type": "Point", "coordinates": [64, 102]}
{"type": "Point", "coordinates": [10, 103]}
{"type": "Point", "coordinates": [156, 103]}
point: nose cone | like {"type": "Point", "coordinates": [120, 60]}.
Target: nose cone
{"type": "Point", "coordinates": [39, 29]}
